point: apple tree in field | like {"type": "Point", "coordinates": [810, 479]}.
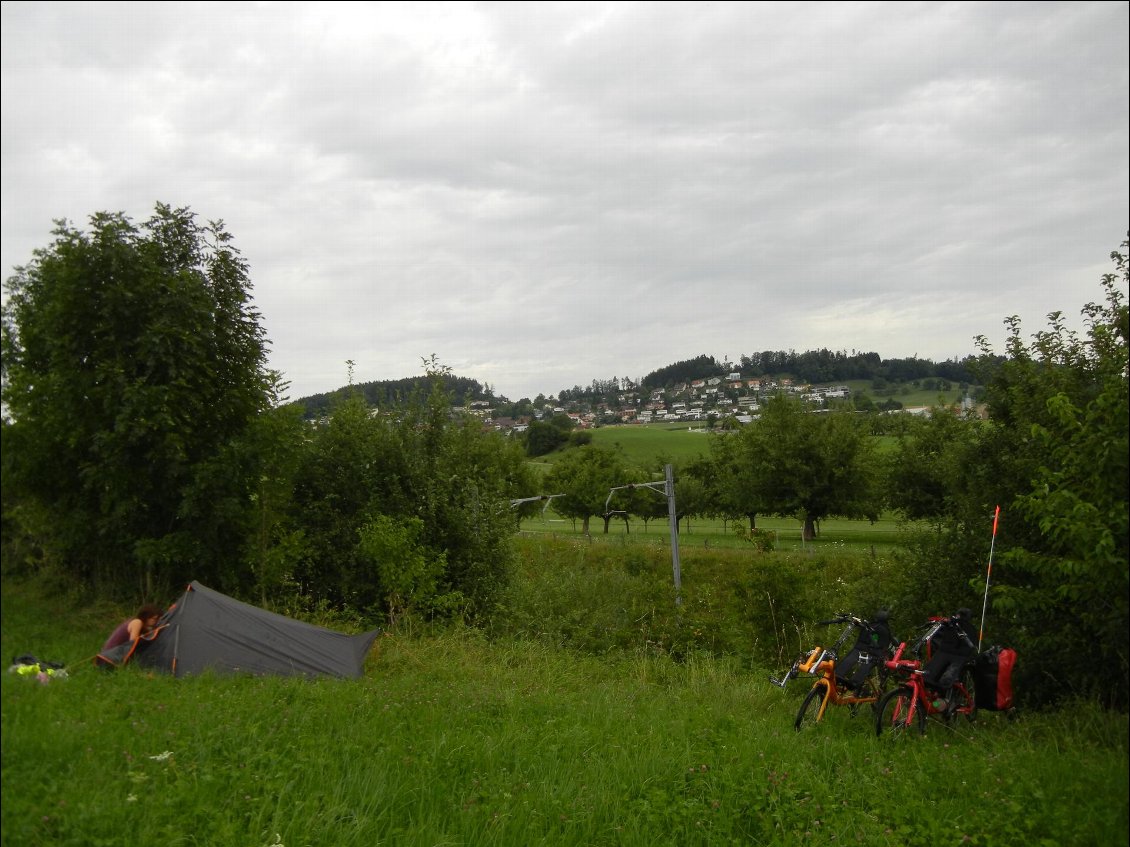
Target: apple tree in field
{"type": "Point", "coordinates": [585, 476]}
{"type": "Point", "coordinates": [811, 466]}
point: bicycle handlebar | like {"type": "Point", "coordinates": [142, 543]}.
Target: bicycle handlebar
{"type": "Point", "coordinates": [844, 617]}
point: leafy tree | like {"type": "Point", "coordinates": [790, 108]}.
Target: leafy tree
{"type": "Point", "coordinates": [132, 360]}
{"type": "Point", "coordinates": [1053, 455]}
{"type": "Point", "coordinates": [646, 499]}
{"type": "Point", "coordinates": [335, 486]}
{"type": "Point", "coordinates": [730, 489]}
{"type": "Point", "coordinates": [580, 438]}
{"type": "Point", "coordinates": [924, 471]}
{"type": "Point", "coordinates": [811, 466]}
{"type": "Point", "coordinates": [543, 438]}
{"type": "Point", "coordinates": [1062, 414]}
{"type": "Point", "coordinates": [584, 477]}
{"type": "Point", "coordinates": [273, 446]}
{"type": "Point", "coordinates": [406, 571]}
{"type": "Point", "coordinates": [692, 498]}
{"type": "Point", "coordinates": [445, 482]}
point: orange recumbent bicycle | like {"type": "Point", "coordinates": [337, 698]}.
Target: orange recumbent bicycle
{"type": "Point", "coordinates": [858, 678]}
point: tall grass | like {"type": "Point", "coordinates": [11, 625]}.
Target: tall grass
{"type": "Point", "coordinates": [458, 739]}
{"type": "Point", "coordinates": [598, 597]}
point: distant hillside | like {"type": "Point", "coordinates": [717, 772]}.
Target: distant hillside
{"type": "Point", "coordinates": [812, 366]}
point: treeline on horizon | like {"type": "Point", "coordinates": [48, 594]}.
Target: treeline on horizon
{"type": "Point", "coordinates": [816, 366]}
{"type": "Point", "coordinates": [384, 394]}
{"type": "Point", "coordinates": [811, 366]}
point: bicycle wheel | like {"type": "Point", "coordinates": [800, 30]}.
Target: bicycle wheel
{"type": "Point", "coordinates": [968, 703]}
{"type": "Point", "coordinates": [809, 712]}
{"type": "Point", "coordinates": [894, 711]}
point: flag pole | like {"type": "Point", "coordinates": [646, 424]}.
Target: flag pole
{"type": "Point", "coordinates": [988, 574]}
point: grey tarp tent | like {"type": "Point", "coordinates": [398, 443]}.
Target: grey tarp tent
{"type": "Point", "coordinates": [207, 630]}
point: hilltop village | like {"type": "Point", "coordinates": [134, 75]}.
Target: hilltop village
{"type": "Point", "coordinates": [708, 400]}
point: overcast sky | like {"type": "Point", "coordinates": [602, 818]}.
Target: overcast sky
{"type": "Point", "coordinates": [546, 194]}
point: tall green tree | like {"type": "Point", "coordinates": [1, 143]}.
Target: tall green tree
{"type": "Point", "coordinates": [414, 482]}
{"type": "Point", "coordinates": [1053, 455]}
{"type": "Point", "coordinates": [805, 465]}
{"type": "Point", "coordinates": [585, 476]}
{"type": "Point", "coordinates": [692, 499]}
{"type": "Point", "coordinates": [273, 448]}
{"type": "Point", "coordinates": [648, 503]}
{"type": "Point", "coordinates": [1062, 415]}
{"type": "Point", "coordinates": [925, 469]}
{"type": "Point", "coordinates": [542, 438]}
{"type": "Point", "coordinates": [132, 358]}
{"type": "Point", "coordinates": [944, 476]}
{"type": "Point", "coordinates": [335, 488]}
{"type": "Point", "coordinates": [730, 477]}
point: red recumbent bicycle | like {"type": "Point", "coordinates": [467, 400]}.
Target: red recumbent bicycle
{"type": "Point", "coordinates": [913, 700]}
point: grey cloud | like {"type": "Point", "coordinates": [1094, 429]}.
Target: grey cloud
{"type": "Point", "coordinates": [556, 193]}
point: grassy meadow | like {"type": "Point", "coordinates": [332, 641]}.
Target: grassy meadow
{"type": "Point", "coordinates": [650, 446]}
{"type": "Point", "coordinates": [516, 737]}
{"type": "Point", "coordinates": [655, 444]}
{"type": "Point", "coordinates": [647, 445]}
{"type": "Point", "coordinates": [851, 537]}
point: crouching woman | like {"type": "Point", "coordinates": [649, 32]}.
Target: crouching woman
{"type": "Point", "coordinates": [127, 633]}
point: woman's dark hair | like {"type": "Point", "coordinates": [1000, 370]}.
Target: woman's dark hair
{"type": "Point", "coordinates": [149, 610]}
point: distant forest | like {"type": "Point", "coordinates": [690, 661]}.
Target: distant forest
{"type": "Point", "coordinates": [814, 366]}
{"type": "Point", "coordinates": [819, 367]}
{"type": "Point", "coordinates": [389, 393]}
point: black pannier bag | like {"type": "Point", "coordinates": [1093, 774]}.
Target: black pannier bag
{"type": "Point", "coordinates": [992, 678]}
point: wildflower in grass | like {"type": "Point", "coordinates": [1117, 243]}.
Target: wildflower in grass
{"type": "Point", "coordinates": [161, 757]}
{"type": "Point", "coordinates": [131, 798]}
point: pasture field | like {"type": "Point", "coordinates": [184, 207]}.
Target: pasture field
{"type": "Point", "coordinates": [907, 394]}
{"type": "Point", "coordinates": [835, 535]}
{"type": "Point", "coordinates": [652, 445]}
{"type": "Point", "coordinates": [455, 739]}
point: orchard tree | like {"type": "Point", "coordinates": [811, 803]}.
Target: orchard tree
{"type": "Point", "coordinates": [585, 476]}
{"type": "Point", "coordinates": [729, 476]}
{"type": "Point", "coordinates": [924, 471]}
{"type": "Point", "coordinates": [811, 466]}
{"type": "Point", "coordinates": [648, 503]}
{"type": "Point", "coordinates": [132, 359]}
{"type": "Point", "coordinates": [692, 499]}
